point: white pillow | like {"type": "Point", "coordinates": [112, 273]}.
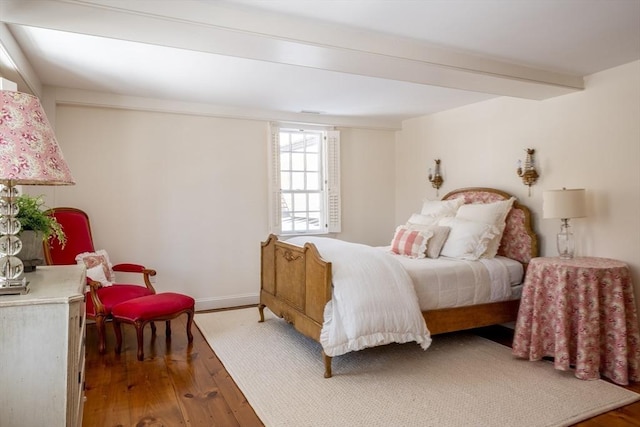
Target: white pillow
{"type": "Point", "coordinates": [436, 242]}
{"type": "Point", "coordinates": [488, 213]}
{"type": "Point", "coordinates": [97, 274]}
{"type": "Point", "coordinates": [410, 243]}
{"type": "Point", "coordinates": [419, 219]}
{"type": "Point", "coordinates": [100, 259]}
{"type": "Point", "coordinates": [441, 208]}
{"type": "Point", "coordinates": [467, 239]}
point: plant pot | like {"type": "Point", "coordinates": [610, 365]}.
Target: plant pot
{"type": "Point", "coordinates": [31, 253]}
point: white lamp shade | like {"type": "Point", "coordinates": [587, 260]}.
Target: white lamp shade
{"type": "Point", "coordinates": [564, 203]}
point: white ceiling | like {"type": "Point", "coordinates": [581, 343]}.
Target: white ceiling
{"type": "Point", "coordinates": [360, 62]}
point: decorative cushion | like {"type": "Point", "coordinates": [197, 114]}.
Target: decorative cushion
{"type": "Point", "coordinates": [116, 294]}
{"type": "Point", "coordinates": [437, 240]}
{"type": "Point", "coordinates": [488, 213]}
{"type": "Point", "coordinates": [410, 243]}
{"type": "Point", "coordinates": [97, 259]}
{"type": "Point", "coordinates": [152, 307]}
{"type": "Point", "coordinates": [467, 239]}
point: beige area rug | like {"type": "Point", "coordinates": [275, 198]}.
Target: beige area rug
{"type": "Point", "coordinates": [461, 380]}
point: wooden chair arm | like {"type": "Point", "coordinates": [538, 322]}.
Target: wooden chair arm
{"type": "Point", "coordinates": [93, 288]}
{"type": "Point", "coordinates": [137, 268]}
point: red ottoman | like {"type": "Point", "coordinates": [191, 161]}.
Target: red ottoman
{"type": "Point", "coordinates": [140, 311]}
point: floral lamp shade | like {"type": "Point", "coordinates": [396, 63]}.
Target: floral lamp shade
{"type": "Point", "coordinates": [29, 152]}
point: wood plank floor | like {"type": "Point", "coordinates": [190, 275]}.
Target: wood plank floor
{"type": "Point", "coordinates": [179, 384]}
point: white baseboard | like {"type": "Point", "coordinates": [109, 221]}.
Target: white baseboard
{"type": "Point", "coordinates": [226, 302]}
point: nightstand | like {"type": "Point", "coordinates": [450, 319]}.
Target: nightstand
{"type": "Point", "coordinates": [581, 312]}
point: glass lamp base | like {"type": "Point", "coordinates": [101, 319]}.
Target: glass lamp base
{"type": "Point", "coordinates": [565, 243]}
{"type": "Point", "coordinates": [14, 287]}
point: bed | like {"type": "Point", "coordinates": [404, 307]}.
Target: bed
{"type": "Point", "coordinates": [296, 281]}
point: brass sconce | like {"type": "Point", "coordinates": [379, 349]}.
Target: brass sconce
{"type": "Point", "coordinates": [529, 174]}
{"type": "Point", "coordinates": [436, 179]}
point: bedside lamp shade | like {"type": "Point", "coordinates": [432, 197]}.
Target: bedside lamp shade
{"type": "Point", "coordinates": [29, 155]}
{"type": "Point", "coordinates": [564, 204]}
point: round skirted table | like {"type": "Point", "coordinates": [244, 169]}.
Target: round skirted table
{"type": "Point", "coordinates": [581, 312]}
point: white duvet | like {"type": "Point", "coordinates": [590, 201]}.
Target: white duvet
{"type": "Point", "coordinates": [373, 300]}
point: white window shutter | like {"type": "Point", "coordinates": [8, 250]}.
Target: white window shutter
{"type": "Point", "coordinates": [275, 214]}
{"type": "Point", "coordinates": [334, 213]}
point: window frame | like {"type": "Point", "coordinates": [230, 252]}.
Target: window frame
{"type": "Point", "coordinates": [330, 215]}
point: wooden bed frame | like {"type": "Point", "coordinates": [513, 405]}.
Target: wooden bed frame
{"type": "Point", "coordinates": [296, 281]}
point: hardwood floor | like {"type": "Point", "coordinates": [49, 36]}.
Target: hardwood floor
{"type": "Point", "coordinates": [186, 385]}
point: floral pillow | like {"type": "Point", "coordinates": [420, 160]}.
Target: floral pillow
{"type": "Point", "coordinates": [99, 268]}
{"type": "Point", "coordinates": [410, 243]}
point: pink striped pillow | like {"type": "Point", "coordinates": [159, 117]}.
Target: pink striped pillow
{"type": "Point", "coordinates": [410, 243]}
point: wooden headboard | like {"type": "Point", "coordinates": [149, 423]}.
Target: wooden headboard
{"type": "Point", "coordinates": [519, 241]}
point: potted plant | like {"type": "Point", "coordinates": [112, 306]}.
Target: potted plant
{"type": "Point", "coordinates": [37, 227]}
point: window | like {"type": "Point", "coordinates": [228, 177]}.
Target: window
{"type": "Point", "coordinates": [305, 180]}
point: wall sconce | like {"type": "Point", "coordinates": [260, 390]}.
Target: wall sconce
{"type": "Point", "coordinates": [436, 179]}
{"type": "Point", "coordinates": [529, 174]}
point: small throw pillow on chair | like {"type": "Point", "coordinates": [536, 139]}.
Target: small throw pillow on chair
{"type": "Point", "coordinates": [99, 267]}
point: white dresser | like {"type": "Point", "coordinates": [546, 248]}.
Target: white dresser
{"type": "Point", "coordinates": [42, 350]}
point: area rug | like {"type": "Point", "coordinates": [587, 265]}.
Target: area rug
{"type": "Point", "coordinates": [461, 380]}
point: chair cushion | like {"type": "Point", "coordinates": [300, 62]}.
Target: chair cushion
{"type": "Point", "coordinates": [152, 307]}
{"type": "Point", "coordinates": [116, 294]}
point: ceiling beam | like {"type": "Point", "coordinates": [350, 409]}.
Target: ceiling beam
{"type": "Point", "coordinates": [207, 27]}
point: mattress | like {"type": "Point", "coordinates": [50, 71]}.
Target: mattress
{"type": "Point", "coordinates": [449, 282]}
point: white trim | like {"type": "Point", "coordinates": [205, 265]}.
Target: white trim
{"type": "Point", "coordinates": [225, 302]}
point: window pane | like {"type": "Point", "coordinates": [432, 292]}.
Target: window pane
{"type": "Point", "coordinates": [297, 142]}
{"type": "Point", "coordinates": [313, 163]}
{"type": "Point", "coordinates": [285, 161]}
{"type": "Point", "coordinates": [313, 142]}
{"type": "Point", "coordinates": [314, 202]}
{"type": "Point", "coordinates": [297, 180]}
{"type": "Point", "coordinates": [297, 161]}
{"type": "Point", "coordinates": [313, 181]}
{"type": "Point", "coordinates": [314, 221]}
{"type": "Point", "coordinates": [300, 202]}
{"type": "Point", "coordinates": [285, 181]}
{"type": "Point", "coordinates": [284, 141]}
{"type": "Point", "coordinates": [286, 205]}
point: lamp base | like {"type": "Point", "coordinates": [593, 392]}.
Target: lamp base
{"type": "Point", "coordinates": [14, 287]}
{"type": "Point", "coordinates": [565, 242]}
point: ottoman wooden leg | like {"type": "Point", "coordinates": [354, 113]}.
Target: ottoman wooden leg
{"type": "Point", "coordinates": [117, 328]}
{"type": "Point", "coordinates": [167, 329]}
{"type": "Point", "coordinates": [189, 322]}
{"type": "Point", "coordinates": [140, 336]}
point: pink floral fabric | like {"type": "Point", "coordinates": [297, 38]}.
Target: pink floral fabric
{"type": "Point", "coordinates": [29, 152]}
{"type": "Point", "coordinates": [582, 313]}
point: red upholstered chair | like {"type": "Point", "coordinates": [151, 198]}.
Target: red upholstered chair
{"type": "Point", "coordinates": [76, 226]}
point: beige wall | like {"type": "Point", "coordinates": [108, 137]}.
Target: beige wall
{"type": "Point", "coordinates": [187, 194]}
{"type": "Point", "coordinates": [589, 139]}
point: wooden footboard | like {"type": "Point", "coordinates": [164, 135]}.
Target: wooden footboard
{"type": "Point", "coordinates": [295, 285]}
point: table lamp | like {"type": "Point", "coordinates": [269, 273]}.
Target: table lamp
{"type": "Point", "coordinates": [564, 204]}
{"type": "Point", "coordinates": [29, 155]}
